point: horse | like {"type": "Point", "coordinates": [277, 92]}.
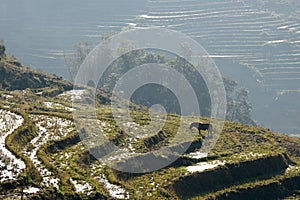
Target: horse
{"type": "Point", "coordinates": [200, 127]}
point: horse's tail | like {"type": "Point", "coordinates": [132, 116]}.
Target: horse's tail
{"type": "Point", "coordinates": [210, 127]}
{"type": "Point", "coordinates": [192, 125]}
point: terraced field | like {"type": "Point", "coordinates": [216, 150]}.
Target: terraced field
{"type": "Point", "coordinates": [46, 154]}
{"type": "Point", "coordinates": [240, 31]}
{"type": "Point", "coordinates": [10, 166]}
{"type": "Point", "coordinates": [43, 157]}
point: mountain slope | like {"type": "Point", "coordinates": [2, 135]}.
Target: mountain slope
{"type": "Point", "coordinates": [42, 155]}
{"type": "Point", "coordinates": [14, 76]}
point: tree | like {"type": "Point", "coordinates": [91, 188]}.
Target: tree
{"type": "Point", "coordinates": [2, 48]}
{"type": "Point", "coordinates": [238, 105]}
{"type": "Point", "coordinates": [74, 61]}
{"type": "Point", "coordinates": [230, 87]}
{"type": "Point", "coordinates": [243, 107]}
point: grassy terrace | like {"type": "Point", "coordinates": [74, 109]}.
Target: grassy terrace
{"type": "Point", "coordinates": [59, 165]}
{"type": "Point", "coordinates": [245, 161]}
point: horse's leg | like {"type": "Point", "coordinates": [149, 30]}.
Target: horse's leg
{"type": "Point", "coordinates": [203, 136]}
{"type": "Point", "coordinates": [209, 131]}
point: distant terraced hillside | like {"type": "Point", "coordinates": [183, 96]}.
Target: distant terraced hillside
{"type": "Point", "coordinates": [239, 31]}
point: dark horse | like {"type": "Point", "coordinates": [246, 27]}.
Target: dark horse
{"type": "Point", "coordinates": [200, 127]}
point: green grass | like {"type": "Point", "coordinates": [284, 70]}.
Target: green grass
{"type": "Point", "coordinates": [15, 143]}
{"type": "Point", "coordinates": [234, 146]}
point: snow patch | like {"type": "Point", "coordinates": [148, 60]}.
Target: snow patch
{"type": "Point", "coordinates": [31, 190]}
{"type": "Point", "coordinates": [57, 106]}
{"type": "Point", "coordinates": [276, 42]}
{"type": "Point", "coordinates": [197, 155]}
{"type": "Point", "coordinates": [200, 167]}
{"type": "Point", "coordinates": [10, 166]}
{"type": "Point", "coordinates": [131, 24]}
{"type": "Point", "coordinates": [50, 128]}
{"type": "Point", "coordinates": [81, 187]}
{"type": "Point", "coordinates": [115, 191]}
{"type": "Point", "coordinates": [282, 27]}
{"type": "Point", "coordinates": [7, 96]}
{"type": "Point", "coordinates": [295, 135]}
{"type": "Point", "coordinates": [248, 156]}
{"type": "Point", "coordinates": [74, 94]}
{"type": "Point", "coordinates": [292, 167]}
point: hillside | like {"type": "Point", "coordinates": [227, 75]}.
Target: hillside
{"type": "Point", "coordinates": [15, 76]}
{"type": "Point", "coordinates": [259, 35]}
{"type": "Point", "coordinates": [255, 42]}
{"type": "Point", "coordinates": [42, 156]}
